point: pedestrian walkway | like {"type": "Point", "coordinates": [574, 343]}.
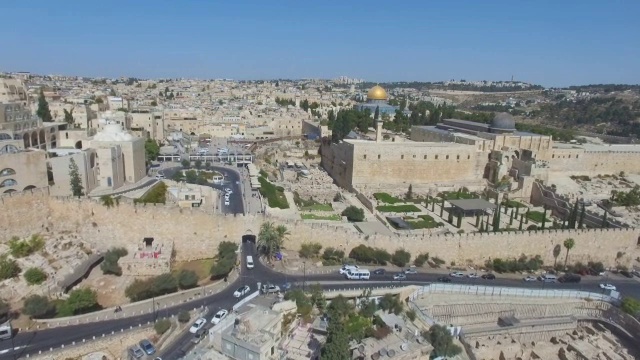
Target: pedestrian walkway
{"type": "Point", "coordinates": [158, 304]}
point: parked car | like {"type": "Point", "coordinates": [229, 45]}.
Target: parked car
{"type": "Point", "coordinates": [444, 279]}
{"type": "Point", "coordinates": [378, 272]}
{"type": "Point", "coordinates": [635, 272]}
{"type": "Point", "coordinates": [473, 276]}
{"type": "Point", "coordinates": [148, 347]}
{"type": "Point", "coordinates": [529, 278]}
{"type": "Point", "coordinates": [242, 291]}
{"type": "Point", "coordinates": [270, 289]}
{"type": "Point", "coordinates": [136, 352]}
{"type": "Point", "coordinates": [607, 287]}
{"type": "Point", "coordinates": [343, 270]}
{"type": "Point", "coordinates": [199, 324]}
{"type": "Point", "coordinates": [410, 271]}
{"type": "Point", "coordinates": [489, 277]}
{"type": "Point", "coordinates": [400, 277]}
{"type": "Point", "coordinates": [219, 316]}
{"type": "Point", "coordinates": [199, 335]}
{"type": "Point", "coordinates": [456, 274]}
{"type": "Point", "coordinates": [226, 202]}
{"type": "Point", "coordinates": [286, 286]}
{"type": "Point", "coordinates": [228, 191]}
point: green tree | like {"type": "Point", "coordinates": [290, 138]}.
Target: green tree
{"type": "Point", "coordinates": [317, 297]}
{"type": "Point", "coordinates": [35, 276]}
{"type": "Point", "coordinates": [80, 301]}
{"type": "Point", "coordinates": [38, 306]}
{"type": "Point", "coordinates": [391, 304]}
{"type": "Point", "coordinates": [631, 306]}
{"type": "Point", "coordinates": [4, 311]}
{"type": "Point", "coordinates": [198, 164]}
{"type": "Point", "coordinates": [442, 341]}
{"type": "Point", "coordinates": [568, 244]}
{"type": "Point", "coordinates": [43, 111]}
{"type": "Point", "coordinates": [400, 258]}
{"type": "Point", "coordinates": [309, 250]}
{"type": "Point", "coordinates": [68, 116]}
{"type": "Point", "coordinates": [353, 213]}
{"type": "Point", "coordinates": [107, 201]}
{"type": "Point", "coordinates": [162, 326]}
{"type": "Point", "coordinates": [74, 179]}
{"type": "Point", "coordinates": [187, 279]}
{"type": "Point", "coordinates": [8, 267]}
{"type": "Point", "coordinates": [151, 150]}
{"type": "Point", "coordinates": [154, 103]}
{"type": "Point", "coordinates": [337, 345]}
{"type": "Point", "coordinates": [271, 238]}
{"type": "Point", "coordinates": [184, 316]}
{"type": "Point", "coordinates": [186, 163]}
{"type": "Point", "coordinates": [409, 194]}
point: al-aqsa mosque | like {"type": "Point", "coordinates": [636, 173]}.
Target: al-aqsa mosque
{"type": "Point", "coordinates": [377, 98]}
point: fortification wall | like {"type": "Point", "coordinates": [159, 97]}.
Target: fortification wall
{"type": "Point", "coordinates": [580, 162]}
{"type": "Point", "coordinates": [196, 233]}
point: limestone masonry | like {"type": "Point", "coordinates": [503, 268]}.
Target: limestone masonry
{"type": "Point", "coordinates": [196, 234]}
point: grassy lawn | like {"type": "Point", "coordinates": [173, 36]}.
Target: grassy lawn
{"type": "Point", "coordinates": [454, 195]}
{"type": "Point", "coordinates": [317, 207]}
{"type": "Point", "coordinates": [398, 208]}
{"type": "Point", "coordinates": [423, 222]}
{"type": "Point", "coordinates": [209, 174]}
{"type": "Point", "coordinates": [333, 217]}
{"type": "Point", "coordinates": [386, 198]}
{"type": "Point", "coordinates": [310, 204]}
{"type": "Point", "coordinates": [514, 204]}
{"type": "Point", "coordinates": [201, 267]}
{"type": "Point", "coordinates": [274, 194]}
{"type": "Point", "coordinates": [536, 216]}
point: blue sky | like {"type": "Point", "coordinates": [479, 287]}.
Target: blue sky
{"type": "Point", "coordinates": [549, 42]}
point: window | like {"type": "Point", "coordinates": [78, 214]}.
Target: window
{"type": "Point", "coordinates": [401, 156]}
{"type": "Point", "coordinates": [425, 157]}
{"type": "Point", "coordinates": [457, 157]}
{"type": "Point", "coordinates": [414, 156]}
{"type": "Point", "coordinates": [577, 156]}
{"type": "Point", "coordinates": [8, 182]}
{"type": "Point", "coordinates": [468, 157]}
{"type": "Point", "coordinates": [7, 172]}
{"type": "Point", "coordinates": [378, 156]}
{"type": "Point", "coordinates": [436, 157]}
{"type": "Point", "coordinates": [553, 156]}
{"type": "Point", "coordinates": [364, 156]}
{"type": "Point", "coordinates": [447, 158]}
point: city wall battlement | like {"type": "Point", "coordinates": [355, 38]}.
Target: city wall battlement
{"type": "Point", "coordinates": [196, 233]}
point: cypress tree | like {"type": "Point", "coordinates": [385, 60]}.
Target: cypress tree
{"type": "Point", "coordinates": [605, 223]}
{"type": "Point", "coordinates": [43, 111]}
{"type": "Point", "coordinates": [496, 220]}
{"type": "Point", "coordinates": [581, 223]}
{"type": "Point", "coordinates": [521, 221]}
{"type": "Point", "coordinates": [442, 208]}
{"type": "Point", "coordinates": [74, 179]}
{"type": "Point", "coordinates": [544, 217]}
{"type": "Point", "coordinates": [511, 218]}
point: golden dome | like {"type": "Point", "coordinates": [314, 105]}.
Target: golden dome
{"type": "Point", "coordinates": [377, 93]}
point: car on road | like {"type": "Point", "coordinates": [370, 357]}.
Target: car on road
{"type": "Point", "coordinates": [529, 278]}
{"type": "Point", "coordinates": [607, 287]}
{"type": "Point", "coordinates": [489, 277]}
{"type": "Point", "coordinates": [456, 274]}
{"type": "Point", "coordinates": [228, 191]}
{"type": "Point", "coordinates": [625, 273]}
{"type": "Point", "coordinates": [199, 324]}
{"type": "Point", "coordinates": [444, 279]}
{"type": "Point", "coordinates": [378, 272]}
{"type": "Point", "coordinates": [242, 291]}
{"type": "Point", "coordinates": [226, 202]}
{"type": "Point", "coordinates": [473, 276]}
{"type": "Point", "coordinates": [270, 289]}
{"type": "Point", "coordinates": [400, 276]}
{"type": "Point", "coordinates": [159, 176]}
{"type": "Point", "coordinates": [199, 335]}
{"type": "Point", "coordinates": [570, 278]}
{"type": "Point", "coordinates": [147, 346]}
{"type": "Point", "coordinates": [410, 271]}
{"type": "Point", "coordinates": [136, 352]}
{"type": "Point", "coordinates": [219, 316]}
{"type": "Point", "coordinates": [345, 268]}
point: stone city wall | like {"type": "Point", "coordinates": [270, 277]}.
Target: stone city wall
{"type": "Point", "coordinates": [196, 233]}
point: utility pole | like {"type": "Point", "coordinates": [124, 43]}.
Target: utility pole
{"type": "Point", "coordinates": [304, 279]}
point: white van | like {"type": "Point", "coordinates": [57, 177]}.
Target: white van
{"type": "Point", "coordinates": [549, 278]}
{"type": "Point", "coordinates": [357, 274]}
{"type": "Point", "coordinates": [249, 262]}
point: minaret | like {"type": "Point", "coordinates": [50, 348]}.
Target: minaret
{"type": "Point", "coordinates": [378, 122]}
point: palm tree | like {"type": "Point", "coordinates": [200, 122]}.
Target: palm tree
{"type": "Point", "coordinates": [282, 234]}
{"type": "Point", "coordinates": [267, 239]}
{"type": "Point", "coordinates": [568, 244]}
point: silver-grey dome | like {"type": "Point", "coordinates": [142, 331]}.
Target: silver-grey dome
{"type": "Point", "coordinates": [503, 121]}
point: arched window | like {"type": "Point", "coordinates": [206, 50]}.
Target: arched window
{"type": "Point", "coordinates": [8, 183]}
{"type": "Point", "coordinates": [9, 191]}
{"type": "Point", "coordinates": [29, 187]}
{"type": "Point", "coordinates": [5, 136]}
{"type": "Point", "coordinates": [7, 172]}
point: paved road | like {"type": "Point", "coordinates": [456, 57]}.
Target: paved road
{"type": "Point", "coordinates": [232, 180]}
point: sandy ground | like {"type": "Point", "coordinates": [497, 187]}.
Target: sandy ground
{"type": "Point", "coordinates": [110, 288]}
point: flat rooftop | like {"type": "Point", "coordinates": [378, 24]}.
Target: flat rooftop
{"type": "Point", "coordinates": [472, 204]}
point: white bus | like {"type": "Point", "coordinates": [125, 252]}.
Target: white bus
{"type": "Point", "coordinates": [357, 274]}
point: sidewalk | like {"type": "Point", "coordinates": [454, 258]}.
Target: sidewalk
{"type": "Point", "coordinates": [142, 307]}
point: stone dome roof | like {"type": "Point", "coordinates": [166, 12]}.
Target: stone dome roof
{"type": "Point", "coordinates": [377, 93]}
{"type": "Point", "coordinates": [503, 121]}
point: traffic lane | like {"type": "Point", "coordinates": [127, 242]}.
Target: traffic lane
{"type": "Point", "coordinates": [232, 181]}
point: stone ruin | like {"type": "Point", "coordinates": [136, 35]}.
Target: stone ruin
{"type": "Point", "coordinates": [148, 258]}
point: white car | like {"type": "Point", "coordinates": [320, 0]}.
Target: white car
{"type": "Point", "coordinates": [345, 268]}
{"type": "Point", "coordinates": [228, 191]}
{"type": "Point", "coordinates": [473, 276]}
{"type": "Point", "coordinates": [242, 291]}
{"type": "Point", "coordinates": [607, 287]}
{"type": "Point", "coordinates": [456, 274]}
{"type": "Point", "coordinates": [219, 316]}
{"type": "Point", "coordinates": [199, 324]}
{"type": "Point", "coordinates": [529, 278]}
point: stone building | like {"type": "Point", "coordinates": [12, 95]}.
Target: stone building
{"type": "Point", "coordinates": [464, 153]}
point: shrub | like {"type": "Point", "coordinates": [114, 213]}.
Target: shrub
{"type": "Point", "coordinates": [184, 316]}
{"type": "Point", "coordinates": [21, 248]}
{"type": "Point", "coordinates": [80, 301]}
{"type": "Point", "coordinates": [436, 260]}
{"type": "Point", "coordinates": [8, 268]}
{"type": "Point", "coordinates": [226, 259]}
{"type": "Point", "coordinates": [366, 254]}
{"type": "Point", "coordinates": [148, 288]}
{"type": "Point", "coordinates": [187, 279]}
{"type": "Point", "coordinates": [411, 314]}
{"type": "Point", "coordinates": [353, 213]}
{"type": "Point", "coordinates": [156, 195]}
{"type": "Point", "coordinates": [274, 194]}
{"type": "Point", "coordinates": [332, 256]}
{"type": "Point", "coordinates": [532, 227]}
{"type": "Point", "coordinates": [35, 276]}
{"type": "Point", "coordinates": [400, 258]}
{"type": "Point", "coordinates": [110, 263]}
{"type": "Point", "coordinates": [631, 306]}
{"type": "Point", "coordinates": [310, 250]}
{"type": "Point", "coordinates": [162, 326]}
{"type": "Point", "coordinates": [37, 306]}
{"type": "Point", "coordinates": [523, 263]}
{"type": "Point", "coordinates": [421, 259]}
